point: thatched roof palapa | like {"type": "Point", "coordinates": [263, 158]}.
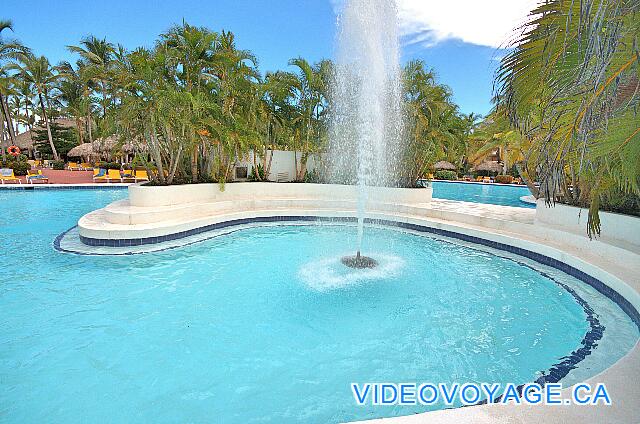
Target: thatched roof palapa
{"type": "Point", "coordinates": [489, 166]}
{"type": "Point", "coordinates": [83, 150]}
{"type": "Point", "coordinates": [443, 164]}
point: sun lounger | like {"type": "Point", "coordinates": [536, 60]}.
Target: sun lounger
{"type": "Point", "coordinates": [141, 176]}
{"type": "Point", "coordinates": [36, 176]}
{"type": "Point", "coordinates": [73, 166]}
{"type": "Point", "coordinates": [99, 174]}
{"type": "Point", "coordinates": [128, 176]}
{"type": "Point", "coordinates": [7, 175]}
{"type": "Point", "coordinates": [108, 175]}
{"type": "Point", "coordinates": [486, 180]}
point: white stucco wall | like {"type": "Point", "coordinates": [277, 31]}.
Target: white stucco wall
{"type": "Point", "coordinates": [283, 165]}
{"type": "Point", "coordinates": [614, 226]}
{"type": "Point", "coordinates": [143, 196]}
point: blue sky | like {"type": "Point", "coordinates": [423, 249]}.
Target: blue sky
{"type": "Point", "coordinates": [462, 48]}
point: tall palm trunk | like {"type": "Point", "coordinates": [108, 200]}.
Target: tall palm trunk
{"type": "Point", "coordinates": [26, 114]}
{"type": "Point", "coordinates": [7, 117]}
{"type": "Point", "coordinates": [46, 122]}
{"type": "Point", "coordinates": [104, 98]}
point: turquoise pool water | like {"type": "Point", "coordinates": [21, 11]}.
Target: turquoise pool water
{"type": "Point", "coordinates": [505, 195]}
{"type": "Point", "coordinates": [263, 325]}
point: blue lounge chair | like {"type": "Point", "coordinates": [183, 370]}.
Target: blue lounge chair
{"type": "Point", "coordinates": [37, 176]}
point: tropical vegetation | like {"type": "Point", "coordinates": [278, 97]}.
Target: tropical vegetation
{"type": "Point", "coordinates": [194, 104]}
{"type": "Point", "coordinates": [567, 98]}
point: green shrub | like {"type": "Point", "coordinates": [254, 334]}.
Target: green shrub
{"type": "Point", "coordinates": [503, 179]}
{"type": "Point", "coordinates": [312, 177]}
{"type": "Point", "coordinates": [257, 173]}
{"type": "Point", "coordinates": [58, 164]}
{"type": "Point", "coordinates": [109, 165]}
{"type": "Point", "coordinates": [445, 175]}
{"type": "Point", "coordinates": [19, 167]}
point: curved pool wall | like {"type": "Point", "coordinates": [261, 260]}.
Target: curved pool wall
{"type": "Point", "coordinates": [476, 192]}
{"type": "Point", "coordinates": [155, 215]}
{"type": "Point", "coordinates": [600, 286]}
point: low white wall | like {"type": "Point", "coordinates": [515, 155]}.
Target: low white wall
{"type": "Point", "coordinates": [283, 164]}
{"type": "Point", "coordinates": [145, 196]}
{"type": "Point", "coordinates": [614, 226]}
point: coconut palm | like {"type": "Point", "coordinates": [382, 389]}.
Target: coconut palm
{"type": "Point", "coordinates": [37, 72]}
{"type": "Point", "coordinates": [98, 55]}
{"type": "Point", "coordinates": [571, 84]}
{"type": "Point", "coordinates": [435, 128]}
{"type": "Point", "coordinates": [310, 85]}
{"type": "Point", "coordinates": [9, 49]}
{"type": "Point", "coordinates": [496, 132]}
{"type": "Point", "coordinates": [71, 96]}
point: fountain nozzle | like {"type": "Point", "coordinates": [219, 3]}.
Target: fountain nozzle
{"type": "Point", "coordinates": [358, 261]}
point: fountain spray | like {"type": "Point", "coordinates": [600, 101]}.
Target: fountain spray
{"type": "Point", "coordinates": [366, 125]}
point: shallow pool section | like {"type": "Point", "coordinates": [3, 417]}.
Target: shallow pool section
{"type": "Point", "coordinates": [495, 194]}
{"type": "Point", "coordinates": [263, 325]}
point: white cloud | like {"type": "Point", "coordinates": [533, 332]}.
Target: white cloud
{"type": "Point", "coordinates": [482, 22]}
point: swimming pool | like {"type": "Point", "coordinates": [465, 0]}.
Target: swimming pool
{"type": "Point", "coordinates": [496, 194]}
{"type": "Point", "coordinates": [263, 324]}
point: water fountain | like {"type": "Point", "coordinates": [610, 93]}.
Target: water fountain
{"type": "Point", "coordinates": [366, 127]}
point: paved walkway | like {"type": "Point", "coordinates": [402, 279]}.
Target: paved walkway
{"type": "Point", "coordinates": [485, 210]}
{"type": "Point", "coordinates": [64, 177]}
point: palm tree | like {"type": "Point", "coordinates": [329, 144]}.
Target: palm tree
{"type": "Point", "coordinates": [98, 55]}
{"type": "Point", "coordinates": [190, 50]}
{"type": "Point", "coordinates": [37, 72]}
{"type": "Point", "coordinates": [8, 50]}
{"type": "Point", "coordinates": [496, 132]}
{"type": "Point", "coordinates": [24, 91]}
{"type": "Point", "coordinates": [571, 84]}
{"type": "Point", "coordinates": [435, 128]}
{"type": "Point", "coordinates": [70, 96]}
{"type": "Point", "coordinates": [310, 86]}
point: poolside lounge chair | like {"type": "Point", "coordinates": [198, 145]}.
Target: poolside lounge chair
{"type": "Point", "coordinates": [86, 166]}
{"type": "Point", "coordinates": [73, 166]}
{"type": "Point", "coordinates": [107, 175]}
{"type": "Point", "coordinates": [127, 176]}
{"type": "Point", "coordinates": [113, 175]}
{"type": "Point", "coordinates": [6, 174]}
{"type": "Point", "coordinates": [486, 180]}
{"type": "Point", "coordinates": [141, 175]}
{"type": "Point", "coordinates": [99, 174]}
{"type": "Point", "coordinates": [36, 176]}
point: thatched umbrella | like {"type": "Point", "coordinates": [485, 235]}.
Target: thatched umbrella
{"type": "Point", "coordinates": [25, 140]}
{"type": "Point", "coordinates": [489, 166]}
{"type": "Point", "coordinates": [130, 147]}
{"type": "Point", "coordinates": [105, 145]}
{"type": "Point", "coordinates": [83, 150]}
{"type": "Point", "coordinates": [443, 164]}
